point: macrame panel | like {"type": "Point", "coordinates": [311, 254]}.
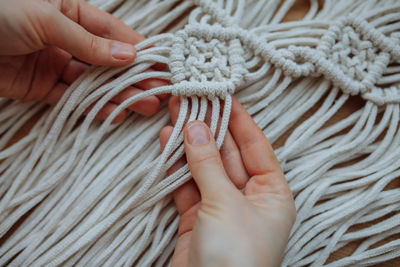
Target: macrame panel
{"type": "Point", "coordinates": [78, 191]}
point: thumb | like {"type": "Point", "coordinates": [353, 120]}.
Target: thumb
{"type": "Point", "coordinates": [64, 33]}
{"type": "Point", "coordinates": [205, 161]}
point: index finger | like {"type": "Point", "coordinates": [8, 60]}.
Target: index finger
{"type": "Point", "coordinates": [105, 25]}
{"type": "Point", "coordinates": [257, 153]}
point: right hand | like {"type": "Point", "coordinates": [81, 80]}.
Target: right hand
{"type": "Point", "coordinates": [238, 210]}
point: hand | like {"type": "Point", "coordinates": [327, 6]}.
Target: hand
{"type": "Point", "coordinates": [40, 39]}
{"type": "Point", "coordinates": [239, 210]}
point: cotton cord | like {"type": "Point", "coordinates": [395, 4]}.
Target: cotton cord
{"type": "Point", "coordinates": [76, 191]}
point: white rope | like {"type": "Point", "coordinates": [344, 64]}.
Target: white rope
{"type": "Point", "coordinates": [87, 192]}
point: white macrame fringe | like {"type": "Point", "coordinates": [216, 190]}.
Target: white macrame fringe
{"type": "Point", "coordinates": [79, 193]}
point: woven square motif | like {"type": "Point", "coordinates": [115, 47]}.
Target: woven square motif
{"type": "Point", "coordinates": [357, 55]}
{"type": "Point", "coordinates": [206, 60]}
{"type": "Point", "coordinates": [207, 56]}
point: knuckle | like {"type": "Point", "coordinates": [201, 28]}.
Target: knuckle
{"type": "Point", "coordinates": [105, 30]}
{"type": "Point", "coordinates": [205, 159]}
{"type": "Point", "coordinates": [227, 151]}
{"type": "Point", "coordinates": [210, 207]}
{"type": "Point", "coordinates": [93, 44]}
{"type": "Point", "coordinates": [70, 8]}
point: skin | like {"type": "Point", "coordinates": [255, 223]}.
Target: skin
{"type": "Point", "coordinates": [238, 209]}
{"type": "Point", "coordinates": [47, 44]}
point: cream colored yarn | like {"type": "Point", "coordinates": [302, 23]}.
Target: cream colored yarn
{"type": "Point", "coordinates": [95, 194]}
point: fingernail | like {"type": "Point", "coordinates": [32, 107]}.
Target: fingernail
{"type": "Point", "coordinates": [197, 134]}
{"type": "Point", "coordinates": [122, 51]}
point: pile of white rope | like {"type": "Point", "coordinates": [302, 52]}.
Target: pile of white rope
{"type": "Point", "coordinates": [83, 192]}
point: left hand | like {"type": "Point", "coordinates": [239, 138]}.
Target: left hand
{"type": "Point", "coordinates": [47, 44]}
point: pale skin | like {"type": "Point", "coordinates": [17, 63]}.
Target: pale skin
{"type": "Point", "coordinates": [47, 44]}
{"type": "Point", "coordinates": [236, 211]}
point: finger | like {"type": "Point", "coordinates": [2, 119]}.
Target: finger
{"type": "Point", "coordinates": [233, 163]}
{"type": "Point", "coordinates": [148, 84]}
{"type": "Point", "coordinates": [147, 106]}
{"type": "Point", "coordinates": [58, 91]}
{"type": "Point", "coordinates": [257, 154]}
{"type": "Point", "coordinates": [165, 134]}
{"type": "Point", "coordinates": [173, 107]}
{"type": "Point", "coordinates": [106, 110]}
{"type": "Point", "coordinates": [73, 70]}
{"type": "Point", "coordinates": [47, 69]}
{"type": "Point", "coordinates": [187, 195]}
{"type": "Point", "coordinates": [205, 162]}
{"type": "Point", "coordinates": [104, 24]}
{"type": "Point", "coordinates": [70, 36]}
{"type": "Point", "coordinates": [230, 154]}
{"type": "Point", "coordinates": [55, 94]}
{"type": "Point", "coordinates": [159, 66]}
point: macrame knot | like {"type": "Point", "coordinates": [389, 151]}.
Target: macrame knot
{"type": "Point", "coordinates": [383, 96]}
{"type": "Point", "coordinates": [207, 61]}
{"type": "Point", "coordinates": [207, 89]}
{"type": "Point", "coordinates": [352, 54]}
{"type": "Point", "coordinates": [356, 55]}
{"type": "Point", "coordinates": [358, 58]}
